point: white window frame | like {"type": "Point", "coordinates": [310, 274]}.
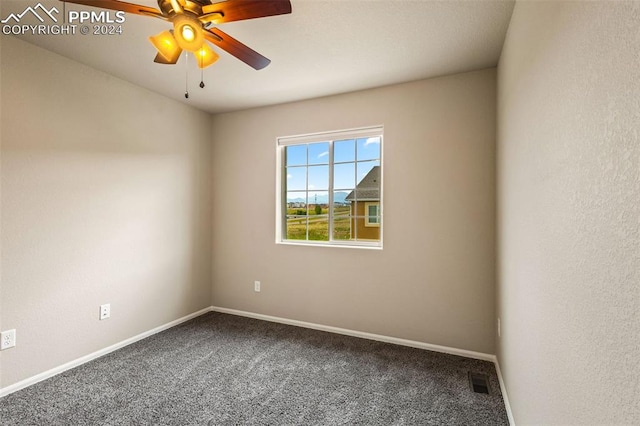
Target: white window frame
{"type": "Point", "coordinates": [331, 137]}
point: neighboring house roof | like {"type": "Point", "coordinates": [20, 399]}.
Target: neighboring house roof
{"type": "Point", "coordinates": [369, 187]}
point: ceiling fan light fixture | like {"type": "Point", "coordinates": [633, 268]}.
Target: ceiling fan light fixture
{"type": "Point", "coordinates": [188, 32]}
{"type": "Point", "coordinates": [166, 45]}
{"type": "Point", "coordinates": [191, 20]}
{"type": "Point", "coordinates": [205, 56]}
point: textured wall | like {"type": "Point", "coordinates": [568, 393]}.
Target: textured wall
{"type": "Point", "coordinates": [432, 283]}
{"type": "Point", "coordinates": [568, 215]}
{"type": "Point", "coordinates": [105, 198]}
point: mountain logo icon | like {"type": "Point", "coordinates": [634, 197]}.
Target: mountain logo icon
{"type": "Point", "coordinates": [34, 11]}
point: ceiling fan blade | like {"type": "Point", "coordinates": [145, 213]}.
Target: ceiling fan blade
{"type": "Point", "coordinates": [136, 9]}
{"type": "Point", "coordinates": [235, 48]}
{"type": "Point", "coordinates": [159, 59]}
{"type": "Point", "coordinates": [238, 10]}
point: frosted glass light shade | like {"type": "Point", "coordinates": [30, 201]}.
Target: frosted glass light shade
{"type": "Point", "coordinates": [167, 46]}
{"type": "Point", "coordinates": [205, 56]}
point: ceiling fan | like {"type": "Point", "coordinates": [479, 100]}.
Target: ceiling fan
{"type": "Point", "coordinates": [193, 22]}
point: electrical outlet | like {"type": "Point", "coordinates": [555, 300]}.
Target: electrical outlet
{"type": "Point", "coordinates": [105, 311]}
{"type": "Point", "coordinates": [499, 331]}
{"type": "Point", "coordinates": [256, 286]}
{"type": "Point", "coordinates": [7, 339]}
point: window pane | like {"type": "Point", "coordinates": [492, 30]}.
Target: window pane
{"type": "Point", "coordinates": [344, 151]}
{"type": "Point", "coordinates": [319, 153]}
{"type": "Point", "coordinates": [296, 155]}
{"type": "Point", "coordinates": [319, 228]}
{"type": "Point", "coordinates": [366, 232]}
{"type": "Point", "coordinates": [365, 221]}
{"type": "Point", "coordinates": [369, 148]}
{"type": "Point", "coordinates": [340, 202]}
{"type": "Point", "coordinates": [296, 178]}
{"type": "Point", "coordinates": [342, 227]}
{"type": "Point", "coordinates": [318, 198]}
{"type": "Point", "coordinates": [368, 175]}
{"type": "Point", "coordinates": [318, 177]}
{"type": "Point", "coordinates": [296, 228]}
{"type": "Point", "coordinates": [356, 213]}
{"type": "Point", "coordinates": [297, 200]}
{"type": "Point", "coordinates": [344, 176]}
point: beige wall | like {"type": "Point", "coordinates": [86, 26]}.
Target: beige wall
{"type": "Point", "coordinates": [433, 283]}
{"type": "Point", "coordinates": [569, 203]}
{"type": "Point", "coordinates": [105, 199]}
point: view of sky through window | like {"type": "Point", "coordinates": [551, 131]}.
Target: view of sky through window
{"type": "Point", "coordinates": [366, 151]}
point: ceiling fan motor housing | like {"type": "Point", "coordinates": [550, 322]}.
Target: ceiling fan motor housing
{"type": "Point", "coordinates": [189, 6]}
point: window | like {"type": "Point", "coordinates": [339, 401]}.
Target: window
{"type": "Point", "coordinates": [373, 214]}
{"type": "Point", "coordinates": [329, 188]}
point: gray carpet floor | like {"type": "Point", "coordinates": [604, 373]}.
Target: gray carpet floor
{"type": "Point", "coordinates": [222, 369]}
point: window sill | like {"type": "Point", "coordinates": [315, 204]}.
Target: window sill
{"type": "Point", "coordinates": [362, 245]}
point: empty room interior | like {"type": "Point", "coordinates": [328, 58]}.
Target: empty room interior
{"type": "Point", "coordinates": [357, 212]}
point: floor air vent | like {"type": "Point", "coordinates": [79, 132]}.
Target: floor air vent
{"type": "Point", "coordinates": [479, 383]}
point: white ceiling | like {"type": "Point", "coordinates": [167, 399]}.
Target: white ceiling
{"type": "Point", "coordinates": [323, 47]}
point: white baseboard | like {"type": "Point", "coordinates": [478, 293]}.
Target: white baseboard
{"type": "Point", "coordinates": [503, 389]}
{"type": "Point", "coordinates": [82, 360]}
{"type": "Point", "coordinates": [363, 335]}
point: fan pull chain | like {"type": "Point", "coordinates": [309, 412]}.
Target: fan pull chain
{"type": "Point", "coordinates": [201, 73]}
{"type": "Point", "coordinates": [64, 12]}
{"type": "Point", "coordinates": [186, 78]}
